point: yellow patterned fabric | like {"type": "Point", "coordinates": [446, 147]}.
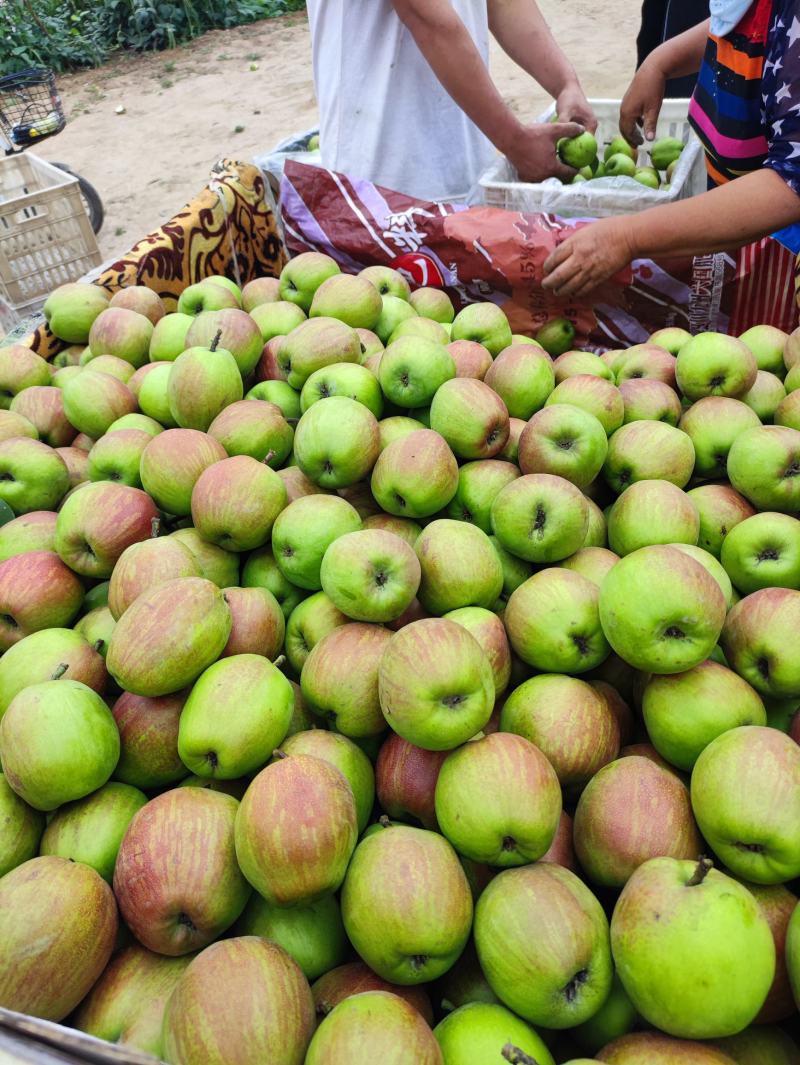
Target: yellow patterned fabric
{"type": "Point", "coordinates": [228, 229]}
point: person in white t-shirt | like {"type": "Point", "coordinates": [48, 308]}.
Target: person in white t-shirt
{"type": "Point", "coordinates": [406, 99]}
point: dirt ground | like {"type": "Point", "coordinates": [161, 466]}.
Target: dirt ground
{"type": "Point", "coordinates": [238, 92]}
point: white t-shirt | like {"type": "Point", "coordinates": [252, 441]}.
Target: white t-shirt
{"type": "Point", "coordinates": [383, 114]}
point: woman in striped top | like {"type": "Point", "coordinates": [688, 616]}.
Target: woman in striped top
{"type": "Point", "coordinates": [746, 111]}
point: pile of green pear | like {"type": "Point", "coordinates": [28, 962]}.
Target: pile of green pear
{"type": "Point", "coordinates": [380, 684]}
{"type": "Point", "coordinates": [621, 160]}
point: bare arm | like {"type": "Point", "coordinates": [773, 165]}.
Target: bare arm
{"type": "Point", "coordinates": [744, 210]}
{"type": "Point", "coordinates": [445, 43]}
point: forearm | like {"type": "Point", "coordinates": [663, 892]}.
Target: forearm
{"type": "Point", "coordinates": [522, 32]}
{"type": "Point", "coordinates": [724, 218]}
{"type": "Point", "coordinates": [445, 43]}
{"type": "Point", "coordinates": [683, 54]}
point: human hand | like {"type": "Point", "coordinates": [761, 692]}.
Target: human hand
{"type": "Point", "coordinates": [591, 255]}
{"type": "Point", "coordinates": [534, 152]}
{"type": "Point", "coordinates": [641, 104]}
{"type": "Point", "coordinates": [572, 106]}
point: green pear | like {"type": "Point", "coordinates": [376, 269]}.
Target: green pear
{"type": "Point", "coordinates": [618, 146]}
{"type": "Point", "coordinates": [202, 382]}
{"type": "Point", "coordinates": [313, 935]}
{"type": "Point", "coordinates": [482, 1032]}
{"type": "Point", "coordinates": [21, 829]}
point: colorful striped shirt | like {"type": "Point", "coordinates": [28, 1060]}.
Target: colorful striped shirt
{"type": "Point", "coordinates": [746, 107]}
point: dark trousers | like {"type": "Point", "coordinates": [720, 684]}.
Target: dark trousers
{"type": "Point", "coordinates": [663, 20]}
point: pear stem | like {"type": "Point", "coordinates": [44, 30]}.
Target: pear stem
{"type": "Point", "coordinates": [278, 753]}
{"type": "Point", "coordinates": [516, 1056]}
{"type": "Point", "coordinates": [59, 671]}
{"type": "Point", "coordinates": [215, 341]}
{"type": "Point", "coordinates": [155, 527]}
{"type": "Point", "coordinates": [279, 661]}
{"type": "Point", "coordinates": [268, 457]}
{"type": "Point", "coordinates": [704, 867]}
{"type": "Point", "coordinates": [384, 821]}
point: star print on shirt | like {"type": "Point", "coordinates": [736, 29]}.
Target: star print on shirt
{"type": "Point", "coordinates": [780, 88]}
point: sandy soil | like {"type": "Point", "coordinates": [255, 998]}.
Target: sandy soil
{"type": "Point", "coordinates": [238, 92]}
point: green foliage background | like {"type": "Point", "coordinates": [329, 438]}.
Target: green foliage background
{"type": "Point", "coordinates": [65, 34]}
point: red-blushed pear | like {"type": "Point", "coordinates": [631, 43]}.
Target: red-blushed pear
{"type": "Point", "coordinates": [523, 377]}
{"type": "Point", "coordinates": [471, 359]}
{"type": "Point", "coordinates": [235, 503]}
{"type": "Point", "coordinates": [12, 425]}
{"type": "Point", "coordinates": [787, 413]}
{"type": "Point", "coordinates": [141, 299]}
{"type": "Point", "coordinates": [647, 450]}
{"type": "Point", "coordinates": [647, 362]}
{"type": "Point", "coordinates": [98, 522]}
{"type": "Point", "coordinates": [432, 303]}
{"type": "Point", "coordinates": [171, 464]}
{"type": "Point", "coordinates": [713, 424]}
{"type": "Point", "coordinates": [486, 1031]}
{"type": "Point", "coordinates": [421, 327]}
{"type": "Point", "coordinates": [303, 532]}
{"type": "Point", "coordinates": [655, 1048]}
{"type": "Point", "coordinates": [148, 736]}
{"type": "Point", "coordinates": [276, 319]}
{"type": "Point", "coordinates": [395, 428]}
{"type": "Point", "coordinates": [58, 923]}
{"type": "Point", "coordinates": [236, 715]}
{"type": "Point", "coordinates": [297, 484]}
{"type": "Point", "coordinates": [384, 1022]}
{"type": "Point", "coordinates": [777, 904]}
{"type": "Point", "coordinates": [116, 457]}
{"type": "Point", "coordinates": [202, 382]}
{"type": "Point", "coordinates": [791, 351]}
{"type": "Point", "coordinates": [168, 636]}
{"type": "Point", "coordinates": [387, 281]}
{"type": "Point", "coordinates": [37, 591]}
{"type": "Point", "coordinates": [121, 332]}
{"type": "Point", "coordinates": [629, 812]}
{"type": "Point", "coordinates": [577, 363]}
{"type": "Point", "coordinates": [302, 276]}
{"type": "Point", "coordinates": [350, 298]}
{"type": "Point", "coordinates": [308, 622]}
{"type": "Point", "coordinates": [595, 395]}
{"type": "Point", "coordinates": [266, 1014]}
{"type": "Point", "coordinates": [565, 441]}
{"type": "Point", "coordinates": [405, 528]}
{"type": "Point", "coordinates": [661, 610]}
{"type": "Point", "coordinates": [647, 400]}
{"type": "Point", "coordinates": [43, 406]}
{"type": "Point", "coordinates": [259, 291]}
{"type": "Point", "coordinates": [142, 566]}
{"type": "Point", "coordinates": [339, 680]}
{"type": "Point", "coordinates": [90, 829]}
{"type": "Point", "coordinates": [763, 464]}
{"type": "Point", "coordinates": [720, 508]}
{"type": "Point", "coordinates": [459, 567]}
{"type": "Point", "coordinates": [336, 442]}
{"type": "Point", "coordinates": [652, 512]}
{"type": "Point", "coordinates": [59, 743]}
{"type": "Point", "coordinates": [767, 343]}
{"type": "Point", "coordinates": [178, 891]}
{"type": "Point", "coordinates": [370, 575]}
{"type": "Point", "coordinates": [562, 850]}
{"type": "Point", "coordinates": [765, 396]}
{"type": "Point", "coordinates": [498, 800]}
{"type": "Point", "coordinates": [77, 463]}
{"type": "Point", "coordinates": [37, 657]}
{"type": "Point", "coordinates": [355, 978]}
{"type": "Point", "coordinates": [489, 631]}
{"type": "Point", "coordinates": [232, 330]}
{"type": "Point", "coordinates": [712, 364]}
{"type": "Point", "coordinates": [296, 829]}
{"type": "Point", "coordinates": [313, 344]}
{"type": "Point", "coordinates": [671, 338]}
{"type": "Point", "coordinates": [360, 497]}
{"type": "Point", "coordinates": [70, 310]}
{"type": "Point", "coordinates": [85, 442]}
{"type": "Point", "coordinates": [553, 622]}
{"type": "Point", "coordinates": [568, 977]}
{"type": "Point", "coordinates": [415, 475]}
{"type": "Point", "coordinates": [394, 875]}
{"type": "Point", "coordinates": [345, 756]}
{"type": "Point", "coordinates": [269, 369]}
{"type": "Point", "coordinates": [568, 721]}
{"type": "Point", "coordinates": [515, 429]}
{"type": "Point", "coordinates": [254, 428]}
{"type": "Point", "coordinates": [257, 623]}
{"type": "Point", "coordinates": [684, 712]}
{"type": "Point", "coordinates": [312, 935]}
{"type": "Point", "coordinates": [133, 421]}
{"type": "Point", "coordinates": [33, 476]}
{"type": "Point", "coordinates": [435, 684]}
{"type": "Point", "coordinates": [126, 1005]}
{"type": "Point", "coordinates": [471, 417]}
{"type": "Point", "coordinates": [594, 563]}
{"type": "Point", "coordinates": [715, 949]}
{"type": "Point", "coordinates": [22, 829]}
{"type": "Point", "coordinates": [760, 1045]}
{"type": "Point", "coordinates": [745, 789]}
{"type": "Point", "coordinates": [484, 323]}
{"type": "Point", "coordinates": [755, 645]}
{"type": "Point", "coordinates": [371, 344]}
{"type": "Point", "coordinates": [405, 780]}
{"type": "Point", "coordinates": [216, 565]}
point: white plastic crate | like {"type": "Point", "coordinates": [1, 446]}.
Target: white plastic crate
{"type": "Point", "coordinates": [46, 238]}
{"type": "Point", "coordinates": [607, 196]}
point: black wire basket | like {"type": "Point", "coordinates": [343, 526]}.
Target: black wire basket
{"type": "Point", "coordinates": [30, 107]}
